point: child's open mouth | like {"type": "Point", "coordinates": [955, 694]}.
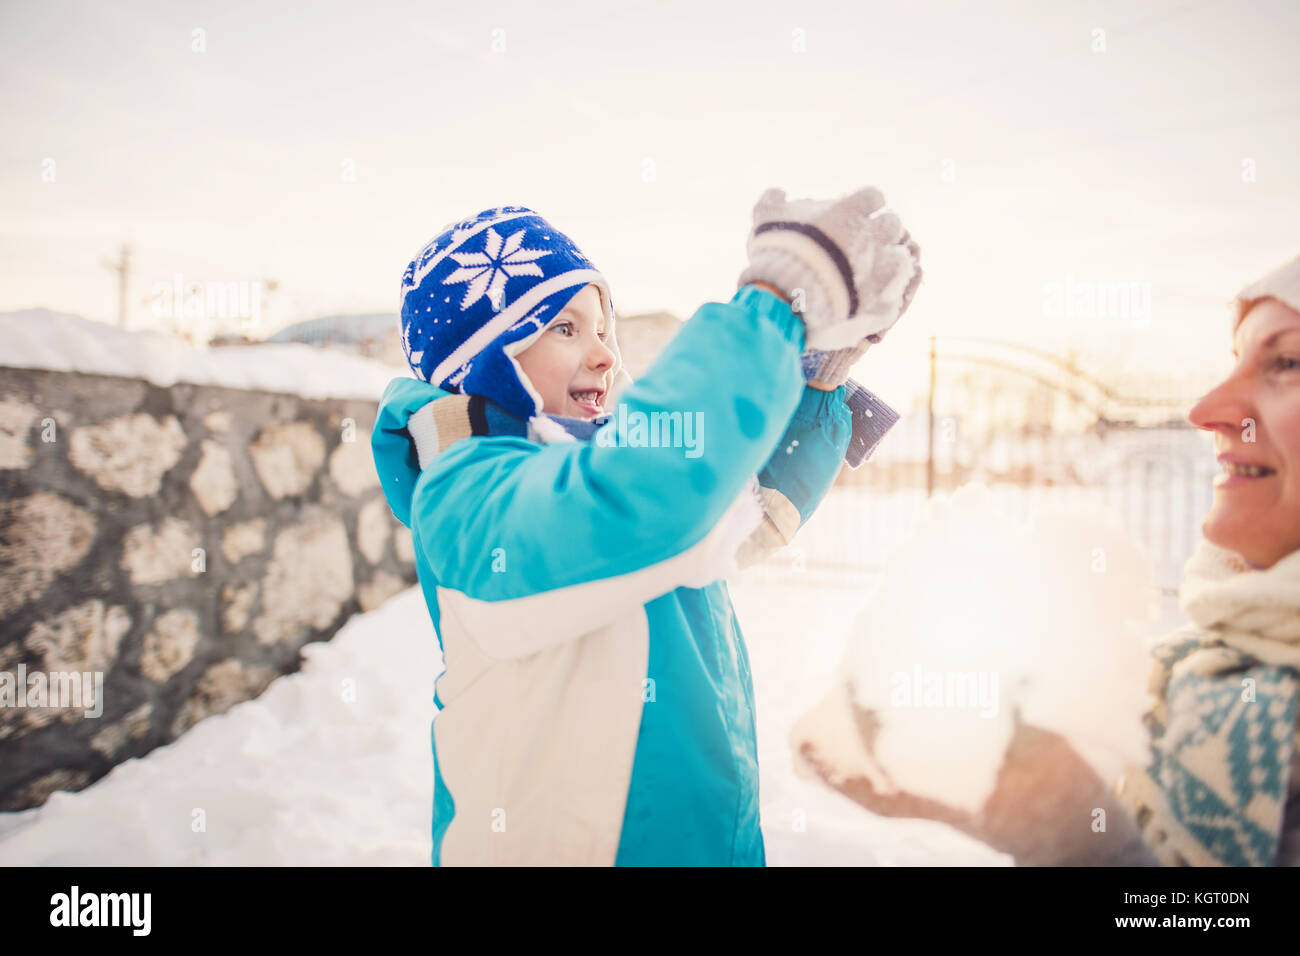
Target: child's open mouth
{"type": "Point", "coordinates": [589, 400]}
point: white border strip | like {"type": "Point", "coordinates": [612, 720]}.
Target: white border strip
{"type": "Point", "coordinates": [424, 430]}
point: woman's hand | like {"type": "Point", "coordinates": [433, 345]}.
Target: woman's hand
{"type": "Point", "coordinates": [1043, 810]}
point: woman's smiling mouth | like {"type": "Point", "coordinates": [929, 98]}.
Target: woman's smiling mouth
{"type": "Point", "coordinates": [1239, 473]}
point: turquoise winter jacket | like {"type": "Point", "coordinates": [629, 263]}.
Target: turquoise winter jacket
{"type": "Point", "coordinates": [595, 705]}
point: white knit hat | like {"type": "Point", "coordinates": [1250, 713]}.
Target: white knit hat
{"type": "Point", "coordinates": [1283, 284]}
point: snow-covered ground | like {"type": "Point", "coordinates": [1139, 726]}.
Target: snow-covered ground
{"type": "Point", "coordinates": [331, 765]}
{"type": "Point", "coordinates": [302, 776]}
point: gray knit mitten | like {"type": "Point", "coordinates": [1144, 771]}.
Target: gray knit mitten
{"type": "Point", "coordinates": [847, 265]}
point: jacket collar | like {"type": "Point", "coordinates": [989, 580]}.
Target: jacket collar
{"type": "Point", "coordinates": [444, 420]}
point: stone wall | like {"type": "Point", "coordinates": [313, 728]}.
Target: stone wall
{"type": "Point", "coordinates": [182, 542]}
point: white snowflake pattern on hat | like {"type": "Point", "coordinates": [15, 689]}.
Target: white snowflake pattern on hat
{"type": "Point", "coordinates": [487, 271]}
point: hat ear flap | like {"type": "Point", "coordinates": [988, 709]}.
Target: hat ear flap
{"type": "Point", "coordinates": [606, 303]}
{"type": "Point", "coordinates": [607, 306]}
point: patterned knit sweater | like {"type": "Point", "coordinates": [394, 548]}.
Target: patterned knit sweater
{"type": "Point", "coordinates": [1222, 786]}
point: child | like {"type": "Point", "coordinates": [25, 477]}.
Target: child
{"type": "Point", "coordinates": [596, 705]}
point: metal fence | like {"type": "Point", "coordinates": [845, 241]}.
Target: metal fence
{"type": "Point", "coordinates": [1064, 437]}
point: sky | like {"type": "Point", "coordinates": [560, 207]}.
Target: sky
{"type": "Point", "coordinates": [1035, 151]}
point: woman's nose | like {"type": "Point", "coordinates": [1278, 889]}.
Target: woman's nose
{"type": "Point", "coordinates": [1225, 405]}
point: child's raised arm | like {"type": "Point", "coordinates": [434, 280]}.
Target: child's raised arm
{"type": "Point", "coordinates": [534, 545]}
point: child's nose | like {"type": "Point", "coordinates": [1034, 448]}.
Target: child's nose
{"type": "Point", "coordinates": [600, 356]}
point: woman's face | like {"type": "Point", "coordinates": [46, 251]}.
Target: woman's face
{"type": "Point", "coordinates": [1255, 417]}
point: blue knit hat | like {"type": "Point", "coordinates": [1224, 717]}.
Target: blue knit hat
{"type": "Point", "coordinates": [481, 292]}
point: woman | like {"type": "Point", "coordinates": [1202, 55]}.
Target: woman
{"type": "Point", "coordinates": [1221, 786]}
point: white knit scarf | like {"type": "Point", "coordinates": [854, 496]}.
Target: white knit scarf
{"type": "Point", "coordinates": [1255, 611]}
{"type": "Point", "coordinates": [1223, 723]}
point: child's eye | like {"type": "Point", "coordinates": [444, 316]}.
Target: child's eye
{"type": "Point", "coordinates": [1287, 363]}
{"type": "Point", "coordinates": [564, 325]}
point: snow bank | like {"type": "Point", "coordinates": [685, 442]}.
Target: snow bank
{"type": "Point", "coordinates": [40, 338]}
{"type": "Point", "coordinates": [976, 617]}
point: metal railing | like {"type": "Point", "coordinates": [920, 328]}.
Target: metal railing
{"type": "Point", "coordinates": [1132, 454]}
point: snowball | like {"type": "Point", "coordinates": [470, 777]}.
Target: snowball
{"type": "Point", "coordinates": [976, 617]}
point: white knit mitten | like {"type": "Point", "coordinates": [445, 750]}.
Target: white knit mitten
{"type": "Point", "coordinates": [847, 265]}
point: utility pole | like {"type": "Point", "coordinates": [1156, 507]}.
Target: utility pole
{"type": "Point", "coordinates": [929, 458]}
{"type": "Point", "coordinates": [123, 269]}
